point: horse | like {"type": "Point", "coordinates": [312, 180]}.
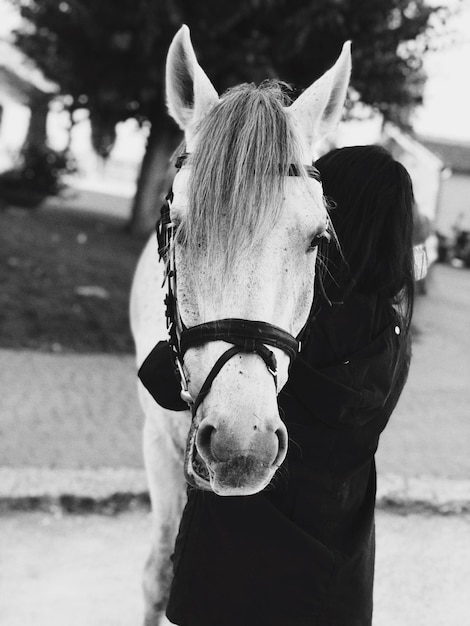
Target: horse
{"type": "Point", "coordinates": [246, 214]}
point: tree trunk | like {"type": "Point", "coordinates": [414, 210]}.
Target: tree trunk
{"type": "Point", "coordinates": [36, 136]}
{"type": "Point", "coordinates": [155, 178]}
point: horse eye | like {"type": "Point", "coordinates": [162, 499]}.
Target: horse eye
{"type": "Point", "coordinates": [316, 241]}
{"type": "Point", "coordinates": [323, 237]}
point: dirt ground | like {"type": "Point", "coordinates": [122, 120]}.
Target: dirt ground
{"type": "Point", "coordinates": [86, 570]}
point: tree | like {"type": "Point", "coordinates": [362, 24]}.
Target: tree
{"type": "Point", "coordinates": [109, 57]}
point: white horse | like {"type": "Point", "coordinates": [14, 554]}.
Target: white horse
{"type": "Point", "coordinates": [245, 249]}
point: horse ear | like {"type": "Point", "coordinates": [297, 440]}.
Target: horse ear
{"type": "Point", "coordinates": [317, 111]}
{"type": "Point", "coordinates": [189, 92]}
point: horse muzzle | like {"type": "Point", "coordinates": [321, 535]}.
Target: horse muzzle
{"type": "Point", "coordinates": [234, 454]}
{"type": "Point", "coordinates": [217, 459]}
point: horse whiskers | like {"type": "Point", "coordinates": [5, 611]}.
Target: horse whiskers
{"type": "Point", "coordinates": [280, 478]}
{"type": "Point", "coordinates": [294, 442]}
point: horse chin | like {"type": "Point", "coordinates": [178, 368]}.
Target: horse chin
{"type": "Point", "coordinates": [240, 476]}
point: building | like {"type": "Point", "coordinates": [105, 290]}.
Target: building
{"type": "Point", "coordinates": [454, 198]}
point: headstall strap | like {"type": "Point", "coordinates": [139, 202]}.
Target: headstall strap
{"type": "Point", "coordinates": [246, 336]}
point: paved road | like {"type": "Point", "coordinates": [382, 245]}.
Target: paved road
{"type": "Point", "coordinates": [68, 410]}
{"type": "Point", "coordinates": [86, 570]}
{"type": "Point", "coordinates": [429, 432]}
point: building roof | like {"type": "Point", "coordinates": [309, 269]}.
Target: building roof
{"type": "Point", "coordinates": [454, 154]}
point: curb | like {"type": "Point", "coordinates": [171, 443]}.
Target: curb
{"type": "Point", "coordinates": [104, 490]}
{"type": "Point", "coordinates": [432, 494]}
{"type": "Point", "coordinates": [112, 491]}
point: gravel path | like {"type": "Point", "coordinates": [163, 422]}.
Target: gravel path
{"type": "Point", "coordinates": [78, 570]}
{"type": "Point", "coordinates": [429, 432]}
{"type": "Point", "coordinates": [69, 411]}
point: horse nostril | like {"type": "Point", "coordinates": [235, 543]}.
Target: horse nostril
{"type": "Point", "coordinates": [203, 439]}
{"type": "Point", "coordinates": [281, 434]}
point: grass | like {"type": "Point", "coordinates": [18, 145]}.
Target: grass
{"type": "Point", "coordinates": [65, 279]}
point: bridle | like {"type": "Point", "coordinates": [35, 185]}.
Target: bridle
{"type": "Point", "coordinates": [246, 336]}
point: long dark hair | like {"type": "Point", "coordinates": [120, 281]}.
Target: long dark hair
{"type": "Point", "coordinates": [371, 196]}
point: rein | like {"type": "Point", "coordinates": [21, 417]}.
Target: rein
{"type": "Point", "coordinates": [246, 336]}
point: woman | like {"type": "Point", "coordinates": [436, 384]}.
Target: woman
{"type": "Point", "coordinates": [302, 552]}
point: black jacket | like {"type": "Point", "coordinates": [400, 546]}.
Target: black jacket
{"type": "Point", "coordinates": [302, 552]}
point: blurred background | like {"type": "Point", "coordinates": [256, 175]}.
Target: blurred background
{"type": "Point", "coordinates": [85, 161]}
{"type": "Point", "coordinates": [84, 129]}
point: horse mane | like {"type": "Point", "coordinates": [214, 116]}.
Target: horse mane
{"type": "Point", "coordinates": [238, 170]}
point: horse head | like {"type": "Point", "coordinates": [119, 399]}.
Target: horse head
{"type": "Point", "coordinates": [248, 216]}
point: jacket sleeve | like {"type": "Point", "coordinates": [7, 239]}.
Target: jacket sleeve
{"type": "Point", "coordinates": [353, 391]}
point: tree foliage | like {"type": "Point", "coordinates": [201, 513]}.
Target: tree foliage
{"type": "Point", "coordinates": [108, 55]}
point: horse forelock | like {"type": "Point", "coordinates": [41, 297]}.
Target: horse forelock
{"type": "Point", "coordinates": [238, 171]}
